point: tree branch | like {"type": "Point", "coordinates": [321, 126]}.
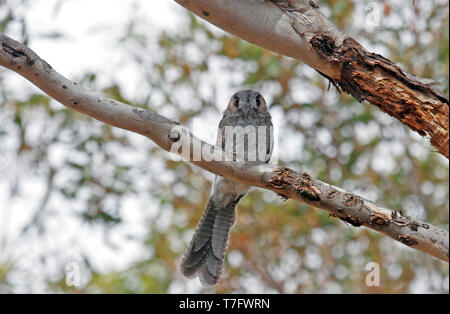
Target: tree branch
{"type": "Point", "coordinates": [297, 28]}
{"type": "Point", "coordinates": [167, 134]}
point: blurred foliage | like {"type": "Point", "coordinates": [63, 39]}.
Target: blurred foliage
{"type": "Point", "coordinates": [275, 246]}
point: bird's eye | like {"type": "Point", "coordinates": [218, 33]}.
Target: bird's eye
{"type": "Point", "coordinates": [236, 102]}
{"type": "Point", "coordinates": [258, 100]}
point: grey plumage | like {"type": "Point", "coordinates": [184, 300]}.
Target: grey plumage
{"type": "Point", "coordinates": [206, 252]}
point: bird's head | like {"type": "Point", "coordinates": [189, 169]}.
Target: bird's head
{"type": "Point", "coordinates": [247, 102]}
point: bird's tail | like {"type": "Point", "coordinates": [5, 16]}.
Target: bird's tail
{"type": "Point", "coordinates": [206, 252]}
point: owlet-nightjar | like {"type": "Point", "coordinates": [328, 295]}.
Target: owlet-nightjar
{"type": "Point", "coordinates": [246, 131]}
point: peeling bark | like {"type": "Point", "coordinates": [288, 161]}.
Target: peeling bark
{"type": "Point", "coordinates": [357, 211]}
{"type": "Point", "coordinates": [346, 206]}
{"type": "Point", "coordinates": [297, 28]}
{"type": "Point", "coordinates": [371, 77]}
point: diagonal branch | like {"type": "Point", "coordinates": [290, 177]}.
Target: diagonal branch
{"type": "Point", "coordinates": [167, 134]}
{"type": "Point", "coordinates": [297, 28]}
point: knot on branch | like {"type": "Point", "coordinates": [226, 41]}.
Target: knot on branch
{"type": "Point", "coordinates": [176, 133]}
{"type": "Point", "coordinates": [401, 220]}
{"type": "Point", "coordinates": [17, 51]}
{"type": "Point", "coordinates": [407, 240]}
{"type": "Point", "coordinates": [354, 221]}
{"type": "Point", "coordinates": [301, 184]}
{"type": "Point", "coordinates": [379, 219]}
{"type": "Point", "coordinates": [324, 45]}
{"type": "Point", "coordinates": [351, 200]}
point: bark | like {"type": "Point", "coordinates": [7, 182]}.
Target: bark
{"type": "Point", "coordinates": [297, 28]}
{"type": "Point", "coordinates": [168, 134]}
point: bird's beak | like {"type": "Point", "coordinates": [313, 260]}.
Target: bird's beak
{"type": "Point", "coordinates": [246, 109]}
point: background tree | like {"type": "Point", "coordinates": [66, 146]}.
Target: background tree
{"type": "Point", "coordinates": [94, 179]}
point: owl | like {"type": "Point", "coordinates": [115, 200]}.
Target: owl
{"type": "Point", "coordinates": [246, 132]}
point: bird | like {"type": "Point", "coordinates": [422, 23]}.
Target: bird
{"type": "Point", "coordinates": [246, 131]}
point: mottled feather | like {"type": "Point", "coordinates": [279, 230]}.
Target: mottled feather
{"type": "Point", "coordinates": [205, 255]}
